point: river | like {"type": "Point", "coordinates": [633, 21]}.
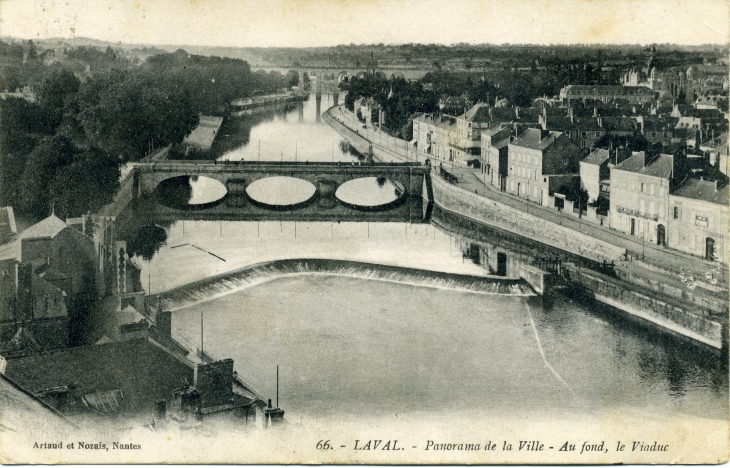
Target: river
{"type": "Point", "coordinates": [352, 348]}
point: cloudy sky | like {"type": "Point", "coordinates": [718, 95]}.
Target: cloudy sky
{"type": "Point", "coordinates": [299, 23]}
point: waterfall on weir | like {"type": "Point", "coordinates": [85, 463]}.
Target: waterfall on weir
{"type": "Point", "coordinates": [228, 283]}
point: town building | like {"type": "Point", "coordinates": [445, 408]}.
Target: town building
{"type": "Point", "coordinates": [593, 170]}
{"type": "Point", "coordinates": [716, 151]}
{"type": "Point", "coordinates": [7, 224]}
{"type": "Point", "coordinates": [495, 148]}
{"type": "Point", "coordinates": [135, 381]}
{"type": "Point", "coordinates": [698, 219]}
{"type": "Point", "coordinates": [639, 189]}
{"type": "Point", "coordinates": [539, 161]}
{"type": "Point", "coordinates": [33, 312]}
{"type": "Point", "coordinates": [657, 129]}
{"type": "Point", "coordinates": [606, 93]}
{"type": "Point", "coordinates": [454, 105]}
{"type": "Point", "coordinates": [48, 286]}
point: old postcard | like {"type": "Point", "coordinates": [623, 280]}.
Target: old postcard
{"type": "Point", "coordinates": [377, 232]}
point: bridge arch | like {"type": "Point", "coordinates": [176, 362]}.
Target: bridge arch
{"type": "Point", "coordinates": [281, 192]}
{"type": "Point", "coordinates": [325, 179]}
{"type": "Point", "coordinates": [372, 193]}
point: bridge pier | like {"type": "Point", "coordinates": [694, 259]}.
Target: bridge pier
{"type": "Point", "coordinates": [323, 206]}
{"type": "Point", "coordinates": [318, 98]}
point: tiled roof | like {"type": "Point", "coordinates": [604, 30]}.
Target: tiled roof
{"type": "Point", "coordinates": [625, 124]}
{"type": "Point", "coordinates": [29, 413]}
{"type": "Point", "coordinates": [532, 139]}
{"type": "Point", "coordinates": [597, 157]}
{"type": "Point", "coordinates": [500, 138]}
{"type": "Point", "coordinates": [661, 166]}
{"type": "Point", "coordinates": [142, 369]}
{"type": "Point", "coordinates": [478, 113]}
{"type": "Point", "coordinates": [48, 228]}
{"type": "Point", "coordinates": [702, 190]}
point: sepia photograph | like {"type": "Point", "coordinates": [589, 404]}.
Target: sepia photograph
{"type": "Point", "coordinates": [364, 232]}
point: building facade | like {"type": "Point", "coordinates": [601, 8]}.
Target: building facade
{"type": "Point", "coordinates": [540, 161]}
{"type": "Point", "coordinates": [698, 219]}
{"type": "Point", "coordinates": [639, 195]}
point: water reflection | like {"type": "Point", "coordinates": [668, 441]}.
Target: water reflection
{"type": "Point", "coordinates": [283, 192]}
{"type": "Point", "coordinates": [190, 192]}
{"type": "Point", "coordinates": [146, 241]}
{"type": "Point", "coordinates": [293, 133]}
{"type": "Point", "coordinates": [370, 192]}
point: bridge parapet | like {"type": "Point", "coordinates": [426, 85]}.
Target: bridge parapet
{"type": "Point", "coordinates": [325, 177]}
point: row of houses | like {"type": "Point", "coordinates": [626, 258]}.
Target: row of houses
{"type": "Point", "coordinates": [654, 197]}
{"type": "Point", "coordinates": [457, 138]}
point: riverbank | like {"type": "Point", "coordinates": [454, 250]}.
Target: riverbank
{"type": "Point", "coordinates": [203, 136]}
{"type": "Point", "coordinates": [648, 289]}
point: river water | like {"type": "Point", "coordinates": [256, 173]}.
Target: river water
{"type": "Point", "coordinates": [351, 347]}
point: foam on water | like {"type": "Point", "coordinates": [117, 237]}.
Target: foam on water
{"type": "Point", "coordinates": [228, 283]}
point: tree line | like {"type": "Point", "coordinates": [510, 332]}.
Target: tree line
{"type": "Point", "coordinates": [64, 151]}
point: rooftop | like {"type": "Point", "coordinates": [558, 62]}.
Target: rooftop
{"type": "Point", "coordinates": [597, 157]}
{"type": "Point", "coordinates": [532, 138]}
{"type": "Point", "coordinates": [703, 190]}
{"type": "Point", "coordinates": [143, 370]}
{"type": "Point", "coordinates": [46, 229]}
{"type": "Point", "coordinates": [659, 166]}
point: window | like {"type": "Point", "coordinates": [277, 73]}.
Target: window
{"type": "Point", "coordinates": [641, 189]}
{"type": "Point", "coordinates": [677, 212]}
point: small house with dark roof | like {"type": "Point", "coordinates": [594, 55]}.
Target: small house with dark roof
{"type": "Point", "coordinates": [698, 219]}
{"type": "Point", "coordinates": [539, 161]}
{"type": "Point", "coordinates": [126, 381]}
{"type": "Point", "coordinates": [639, 195]}
{"type": "Point", "coordinates": [594, 169]}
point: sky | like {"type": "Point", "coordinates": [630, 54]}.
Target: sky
{"type": "Point", "coordinates": [301, 23]}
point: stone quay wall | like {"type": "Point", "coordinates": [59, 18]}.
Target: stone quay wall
{"type": "Point", "coordinates": [493, 213]}
{"type": "Point", "coordinates": [698, 325]}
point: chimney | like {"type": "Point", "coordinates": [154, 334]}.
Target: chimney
{"type": "Point", "coordinates": [163, 321]}
{"type": "Point", "coordinates": [214, 382]}
{"type": "Point", "coordinates": [517, 112]}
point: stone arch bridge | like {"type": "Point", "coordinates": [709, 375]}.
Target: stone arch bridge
{"type": "Point", "coordinates": [412, 205]}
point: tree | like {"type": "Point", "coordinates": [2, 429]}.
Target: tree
{"type": "Point", "coordinates": [126, 114]}
{"type": "Point", "coordinates": [32, 51]}
{"type": "Point", "coordinates": [86, 184]}
{"type": "Point", "coordinates": [54, 90]}
{"type": "Point", "coordinates": [292, 77]}
{"type": "Point", "coordinates": [50, 154]}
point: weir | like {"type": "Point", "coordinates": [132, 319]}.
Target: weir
{"type": "Point", "coordinates": [221, 285]}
